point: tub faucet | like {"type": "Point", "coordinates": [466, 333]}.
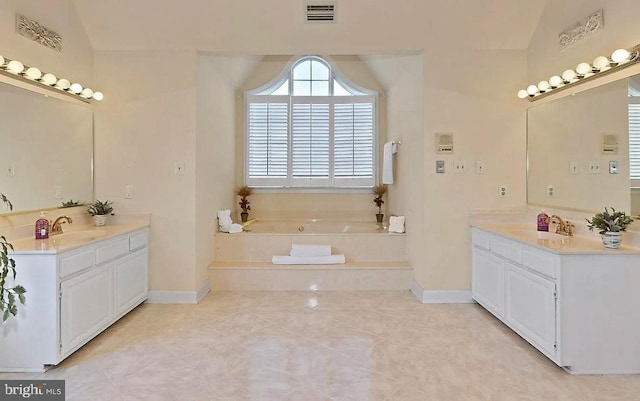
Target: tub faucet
{"type": "Point", "coordinates": [56, 227]}
{"type": "Point", "coordinates": [564, 227]}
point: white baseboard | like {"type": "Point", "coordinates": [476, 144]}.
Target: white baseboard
{"type": "Point", "coordinates": [178, 297]}
{"type": "Point", "coordinates": [441, 297]}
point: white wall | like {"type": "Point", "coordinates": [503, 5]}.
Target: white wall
{"type": "Point", "coordinates": [145, 124]}
{"type": "Point", "coordinates": [76, 60]}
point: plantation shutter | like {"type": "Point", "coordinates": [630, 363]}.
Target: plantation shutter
{"type": "Point", "coordinates": [354, 144]}
{"type": "Point", "coordinates": [634, 142]}
{"type": "Point", "coordinates": [268, 142]}
{"type": "Point", "coordinates": [310, 144]}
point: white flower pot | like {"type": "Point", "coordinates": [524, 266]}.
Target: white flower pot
{"type": "Point", "coordinates": [611, 240]}
{"type": "Point", "coordinates": [100, 220]}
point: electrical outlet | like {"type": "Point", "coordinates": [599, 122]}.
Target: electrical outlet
{"type": "Point", "coordinates": [58, 192]}
{"type": "Point", "coordinates": [551, 191]}
{"type": "Point", "coordinates": [594, 167]}
{"type": "Point", "coordinates": [128, 192]}
{"type": "Point", "coordinates": [440, 166]}
{"type": "Point", "coordinates": [460, 166]}
{"type": "Point", "coordinates": [178, 168]}
{"type": "Point", "coordinates": [480, 166]}
{"type": "Point", "coordinates": [573, 167]}
{"type": "Point", "coordinates": [502, 191]}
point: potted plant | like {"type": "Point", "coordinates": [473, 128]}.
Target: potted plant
{"type": "Point", "coordinates": [8, 296]}
{"type": "Point", "coordinates": [379, 191]}
{"type": "Point", "coordinates": [243, 192]}
{"type": "Point", "coordinates": [610, 226]}
{"type": "Point", "coordinates": [100, 210]}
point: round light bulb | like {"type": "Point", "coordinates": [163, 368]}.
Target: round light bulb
{"type": "Point", "coordinates": [75, 87]}
{"type": "Point", "coordinates": [98, 96]}
{"type": "Point", "coordinates": [63, 84]}
{"type": "Point", "coordinates": [86, 93]}
{"type": "Point", "coordinates": [569, 75]}
{"type": "Point", "coordinates": [620, 56]}
{"type": "Point", "coordinates": [583, 69]}
{"type": "Point", "coordinates": [600, 63]}
{"type": "Point", "coordinates": [49, 79]}
{"type": "Point", "coordinates": [33, 73]}
{"type": "Point", "coordinates": [555, 81]}
{"type": "Point", "coordinates": [522, 94]}
{"type": "Point", "coordinates": [544, 86]}
{"type": "Point", "coordinates": [15, 66]}
{"type": "Point", "coordinates": [532, 90]}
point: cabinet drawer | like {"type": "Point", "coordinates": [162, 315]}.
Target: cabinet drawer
{"type": "Point", "coordinates": [74, 263]}
{"type": "Point", "coordinates": [506, 249]}
{"type": "Point", "coordinates": [138, 241]}
{"type": "Point", "coordinates": [543, 263]}
{"type": "Point", "coordinates": [112, 250]}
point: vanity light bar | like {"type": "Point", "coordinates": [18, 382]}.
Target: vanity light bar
{"type": "Point", "coordinates": [584, 72]}
{"type": "Point", "coordinates": [16, 69]}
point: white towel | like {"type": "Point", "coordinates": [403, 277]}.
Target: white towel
{"type": "Point", "coordinates": [396, 224]}
{"type": "Point", "coordinates": [225, 224]}
{"type": "Point", "coordinates": [309, 260]}
{"type": "Point", "coordinates": [387, 163]}
{"type": "Point", "coordinates": [310, 250]}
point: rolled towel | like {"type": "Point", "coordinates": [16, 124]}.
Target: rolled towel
{"type": "Point", "coordinates": [309, 260]}
{"type": "Point", "coordinates": [310, 250]}
{"type": "Point", "coordinates": [235, 228]}
{"type": "Point", "coordinates": [396, 224]}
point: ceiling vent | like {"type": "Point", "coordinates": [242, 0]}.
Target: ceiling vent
{"type": "Point", "coordinates": [320, 12]}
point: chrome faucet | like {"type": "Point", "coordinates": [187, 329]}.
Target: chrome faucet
{"type": "Point", "coordinates": [563, 227]}
{"type": "Point", "coordinates": [56, 227]}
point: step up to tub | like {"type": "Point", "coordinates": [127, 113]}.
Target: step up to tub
{"type": "Point", "coordinates": [264, 276]}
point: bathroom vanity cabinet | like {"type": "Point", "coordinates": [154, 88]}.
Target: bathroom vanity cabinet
{"type": "Point", "coordinates": [72, 296]}
{"type": "Point", "coordinates": [574, 301]}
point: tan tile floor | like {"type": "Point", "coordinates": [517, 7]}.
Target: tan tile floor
{"type": "Point", "coordinates": [308, 346]}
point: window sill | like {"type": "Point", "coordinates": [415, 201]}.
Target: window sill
{"type": "Point", "coordinates": [299, 190]}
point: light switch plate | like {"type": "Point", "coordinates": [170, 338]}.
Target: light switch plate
{"type": "Point", "coordinates": [440, 166]}
{"type": "Point", "coordinates": [128, 192]}
{"type": "Point", "coordinates": [480, 166]}
{"type": "Point", "coordinates": [613, 167]}
{"type": "Point", "coordinates": [460, 166]}
{"type": "Point", "coordinates": [594, 167]}
{"type": "Point", "coordinates": [573, 167]}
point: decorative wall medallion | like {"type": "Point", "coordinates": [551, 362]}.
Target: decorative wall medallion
{"type": "Point", "coordinates": [33, 30]}
{"type": "Point", "coordinates": [581, 30]}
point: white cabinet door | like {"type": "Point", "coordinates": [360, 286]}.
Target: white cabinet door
{"type": "Point", "coordinates": [130, 281]}
{"type": "Point", "coordinates": [86, 307]}
{"type": "Point", "coordinates": [530, 308]}
{"type": "Point", "coordinates": [488, 281]}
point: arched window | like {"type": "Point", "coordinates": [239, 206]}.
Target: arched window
{"type": "Point", "coordinates": [310, 128]}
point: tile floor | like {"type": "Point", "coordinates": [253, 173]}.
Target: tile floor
{"type": "Point", "coordinates": [309, 346]}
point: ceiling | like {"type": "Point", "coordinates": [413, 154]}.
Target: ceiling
{"type": "Point", "coordinates": [210, 25]}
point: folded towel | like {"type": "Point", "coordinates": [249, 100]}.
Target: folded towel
{"type": "Point", "coordinates": [310, 250]}
{"type": "Point", "coordinates": [387, 163]}
{"type": "Point", "coordinates": [309, 260]}
{"type": "Point", "coordinates": [396, 224]}
{"type": "Point", "coordinates": [235, 228]}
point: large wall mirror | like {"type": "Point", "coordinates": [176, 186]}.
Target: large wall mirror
{"type": "Point", "coordinates": [46, 149]}
{"type": "Point", "coordinates": [568, 164]}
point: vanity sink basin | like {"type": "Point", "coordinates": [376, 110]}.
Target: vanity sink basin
{"type": "Point", "coordinates": [541, 235]}
{"type": "Point", "coordinates": [86, 235]}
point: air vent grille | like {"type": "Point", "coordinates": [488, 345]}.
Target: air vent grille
{"type": "Point", "coordinates": [321, 12]}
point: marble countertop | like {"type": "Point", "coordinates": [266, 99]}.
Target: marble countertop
{"type": "Point", "coordinates": [555, 243]}
{"type": "Point", "coordinates": [72, 238]}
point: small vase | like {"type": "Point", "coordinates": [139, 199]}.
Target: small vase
{"type": "Point", "coordinates": [379, 217]}
{"type": "Point", "coordinates": [100, 220]}
{"type": "Point", "coordinates": [244, 216]}
{"type": "Point", "coordinates": [611, 240]}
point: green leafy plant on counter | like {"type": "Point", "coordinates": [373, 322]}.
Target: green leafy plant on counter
{"type": "Point", "coordinates": [614, 221]}
{"type": "Point", "coordinates": [8, 296]}
{"type": "Point", "coordinates": [100, 208]}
